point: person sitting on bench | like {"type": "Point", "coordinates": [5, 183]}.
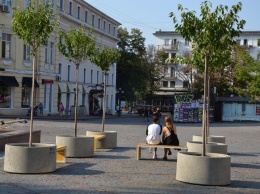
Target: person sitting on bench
{"type": "Point", "coordinates": [153, 133]}
{"type": "Point", "coordinates": [169, 135]}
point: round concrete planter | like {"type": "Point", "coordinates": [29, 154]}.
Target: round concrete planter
{"type": "Point", "coordinates": [39, 158]}
{"type": "Point", "coordinates": [77, 147]}
{"type": "Point", "coordinates": [211, 147]}
{"type": "Point", "coordinates": [109, 142]}
{"type": "Point", "coordinates": [213, 169]}
{"type": "Point", "coordinates": [211, 138]}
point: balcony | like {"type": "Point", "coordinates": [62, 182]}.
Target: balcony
{"type": "Point", "coordinates": [171, 47]}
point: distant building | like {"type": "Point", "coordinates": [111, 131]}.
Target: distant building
{"type": "Point", "coordinates": [172, 84]}
{"type": "Point", "coordinates": [55, 77]}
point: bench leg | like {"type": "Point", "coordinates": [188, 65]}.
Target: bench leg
{"type": "Point", "coordinates": [60, 156]}
{"type": "Point", "coordinates": [138, 152]}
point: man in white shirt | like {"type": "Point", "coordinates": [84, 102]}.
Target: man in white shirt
{"type": "Point", "coordinates": [153, 133]}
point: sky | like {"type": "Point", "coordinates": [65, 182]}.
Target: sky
{"type": "Point", "coordinates": [153, 15]}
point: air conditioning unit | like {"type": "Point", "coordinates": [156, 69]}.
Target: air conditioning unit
{"type": "Point", "coordinates": [58, 78]}
{"type": "Point", "coordinates": [5, 8]}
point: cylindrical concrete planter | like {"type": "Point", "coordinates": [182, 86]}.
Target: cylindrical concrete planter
{"type": "Point", "coordinates": [108, 142]}
{"type": "Point", "coordinates": [39, 158]}
{"type": "Point", "coordinates": [211, 147]}
{"type": "Point", "coordinates": [211, 138]}
{"type": "Point", "coordinates": [213, 169]}
{"type": "Point", "coordinates": [77, 147]}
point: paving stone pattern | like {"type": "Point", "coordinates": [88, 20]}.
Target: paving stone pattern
{"type": "Point", "coordinates": [118, 171]}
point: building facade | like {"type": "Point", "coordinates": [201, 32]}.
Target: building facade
{"type": "Point", "coordinates": [55, 76]}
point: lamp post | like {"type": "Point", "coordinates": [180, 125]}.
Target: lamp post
{"type": "Point", "coordinates": [119, 92]}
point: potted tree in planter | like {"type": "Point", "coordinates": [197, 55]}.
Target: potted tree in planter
{"type": "Point", "coordinates": [77, 46]}
{"type": "Point", "coordinates": [33, 25]}
{"type": "Point", "coordinates": [104, 58]}
{"type": "Point", "coordinates": [212, 36]}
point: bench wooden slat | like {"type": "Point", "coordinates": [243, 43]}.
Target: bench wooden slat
{"type": "Point", "coordinates": [139, 146]}
{"type": "Point", "coordinates": [61, 153]}
{"type": "Point", "coordinates": [96, 138]}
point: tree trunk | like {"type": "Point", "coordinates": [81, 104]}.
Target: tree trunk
{"type": "Point", "coordinates": [32, 101]}
{"type": "Point", "coordinates": [76, 101]}
{"type": "Point", "coordinates": [104, 102]}
{"type": "Point", "coordinates": [205, 101]}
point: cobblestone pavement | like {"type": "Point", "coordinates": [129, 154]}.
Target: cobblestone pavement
{"type": "Point", "coordinates": [118, 171]}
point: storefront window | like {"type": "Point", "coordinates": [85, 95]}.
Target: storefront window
{"type": "Point", "coordinates": [26, 97]}
{"type": "Point", "coordinates": [5, 97]}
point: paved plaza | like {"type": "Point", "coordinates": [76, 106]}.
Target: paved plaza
{"type": "Point", "coordinates": [118, 171]}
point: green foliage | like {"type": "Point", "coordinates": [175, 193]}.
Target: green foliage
{"type": "Point", "coordinates": [247, 73]}
{"type": "Point", "coordinates": [104, 57]}
{"type": "Point", "coordinates": [77, 45]}
{"type": "Point", "coordinates": [132, 74]}
{"type": "Point", "coordinates": [34, 25]}
{"type": "Point", "coordinates": [211, 34]}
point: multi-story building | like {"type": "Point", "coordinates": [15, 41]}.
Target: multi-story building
{"type": "Point", "coordinates": [175, 83]}
{"type": "Point", "coordinates": [55, 76]}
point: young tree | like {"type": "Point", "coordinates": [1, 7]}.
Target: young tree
{"type": "Point", "coordinates": [77, 46]}
{"type": "Point", "coordinates": [33, 25]}
{"type": "Point", "coordinates": [212, 36]}
{"type": "Point", "coordinates": [104, 57]}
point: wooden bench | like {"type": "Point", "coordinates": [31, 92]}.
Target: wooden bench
{"type": "Point", "coordinates": [96, 138]}
{"type": "Point", "coordinates": [61, 153]}
{"type": "Point", "coordinates": [139, 146]}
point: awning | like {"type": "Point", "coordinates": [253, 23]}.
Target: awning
{"type": "Point", "coordinates": [27, 81]}
{"type": "Point", "coordinates": [93, 91]}
{"type": "Point", "coordinates": [8, 81]}
{"type": "Point", "coordinates": [71, 88]}
{"type": "Point", "coordinates": [62, 88]}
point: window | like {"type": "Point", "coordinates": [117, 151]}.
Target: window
{"type": "Point", "coordinates": [93, 20]}
{"type": "Point", "coordinates": [60, 68]}
{"type": "Point", "coordinates": [174, 41]}
{"type": "Point", "coordinates": [165, 83]}
{"type": "Point", "coordinates": [6, 46]}
{"type": "Point", "coordinates": [238, 41]}
{"type": "Point", "coordinates": [99, 23]}
{"type": "Point", "coordinates": [258, 42]}
{"type": "Point", "coordinates": [187, 43]}
{"type": "Point", "coordinates": [5, 97]}
{"type": "Point", "coordinates": [102, 78]}
{"type": "Point", "coordinates": [46, 52]}
{"type": "Point", "coordinates": [172, 84]}
{"type": "Point", "coordinates": [52, 53]}
{"type": "Point", "coordinates": [114, 31]}
{"type": "Point", "coordinates": [68, 72]}
{"type": "Point", "coordinates": [84, 75]}
{"type": "Point", "coordinates": [112, 79]}
{"type": "Point", "coordinates": [97, 77]}
{"type": "Point", "coordinates": [26, 97]}
{"type": "Point", "coordinates": [91, 77]}
{"type": "Point", "coordinates": [25, 4]}
{"type": "Point", "coordinates": [172, 72]}
{"type": "Point", "coordinates": [70, 8]}
{"type": "Point", "coordinates": [78, 12]}
{"type": "Point", "coordinates": [61, 4]}
{"type": "Point", "coordinates": [166, 42]}
{"type": "Point", "coordinates": [83, 99]}
{"type": "Point", "coordinates": [109, 28]}
{"type": "Point", "coordinates": [245, 42]}
{"type": "Point", "coordinates": [26, 53]}
{"type": "Point", "coordinates": [7, 2]}
{"type": "Point", "coordinates": [185, 84]}
{"type": "Point", "coordinates": [165, 69]}
{"type": "Point", "coordinates": [108, 79]}
{"type": "Point", "coordinates": [104, 25]}
{"type": "Point", "coordinates": [86, 16]}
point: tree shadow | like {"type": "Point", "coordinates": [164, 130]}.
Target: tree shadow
{"type": "Point", "coordinates": [251, 166]}
{"type": "Point", "coordinates": [76, 169]}
{"type": "Point", "coordinates": [243, 154]}
{"type": "Point", "coordinates": [245, 184]}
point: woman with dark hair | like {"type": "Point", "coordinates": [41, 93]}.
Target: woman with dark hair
{"type": "Point", "coordinates": [169, 135]}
